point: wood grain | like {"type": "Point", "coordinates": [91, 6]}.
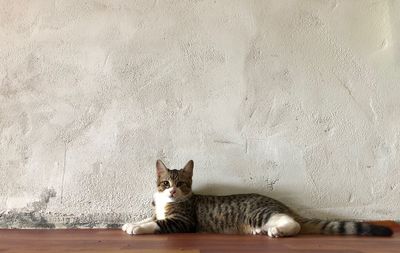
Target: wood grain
{"type": "Point", "coordinates": [101, 240]}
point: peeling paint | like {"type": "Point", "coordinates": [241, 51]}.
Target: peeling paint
{"type": "Point", "coordinates": [31, 216]}
{"type": "Point", "coordinates": [35, 215]}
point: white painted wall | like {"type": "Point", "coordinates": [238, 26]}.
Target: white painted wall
{"type": "Point", "coordinates": [298, 100]}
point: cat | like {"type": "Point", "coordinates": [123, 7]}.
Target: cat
{"type": "Point", "coordinates": [178, 210]}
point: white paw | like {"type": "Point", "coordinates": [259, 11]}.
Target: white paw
{"type": "Point", "coordinates": [274, 232]}
{"type": "Point", "coordinates": [139, 229]}
{"type": "Point", "coordinates": [124, 227]}
{"type": "Point", "coordinates": [280, 225]}
{"type": "Point", "coordinates": [128, 227]}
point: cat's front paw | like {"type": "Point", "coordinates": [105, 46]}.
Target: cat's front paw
{"type": "Point", "coordinates": [128, 227]}
{"type": "Point", "coordinates": [134, 229]}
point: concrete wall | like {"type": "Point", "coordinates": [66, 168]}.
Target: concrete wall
{"type": "Point", "coordinates": [298, 100]}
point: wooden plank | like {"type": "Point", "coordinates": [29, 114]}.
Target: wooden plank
{"type": "Point", "coordinates": [102, 240]}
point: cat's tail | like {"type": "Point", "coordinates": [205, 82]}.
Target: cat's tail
{"type": "Point", "coordinates": [316, 226]}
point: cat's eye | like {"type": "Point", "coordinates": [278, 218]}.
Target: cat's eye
{"type": "Point", "coordinates": [165, 184]}
{"type": "Point", "coordinates": [180, 183]}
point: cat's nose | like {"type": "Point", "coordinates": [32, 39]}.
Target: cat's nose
{"type": "Point", "coordinates": [173, 191]}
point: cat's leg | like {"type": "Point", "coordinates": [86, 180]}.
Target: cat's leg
{"type": "Point", "coordinates": [280, 225]}
{"type": "Point", "coordinates": [128, 227]}
{"type": "Point", "coordinates": [161, 226]}
{"type": "Point", "coordinates": [176, 225]}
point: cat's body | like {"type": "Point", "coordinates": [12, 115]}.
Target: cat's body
{"type": "Point", "coordinates": [232, 214]}
{"type": "Point", "coordinates": [178, 210]}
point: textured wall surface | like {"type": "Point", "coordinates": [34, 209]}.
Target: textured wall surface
{"type": "Point", "coordinates": [298, 100]}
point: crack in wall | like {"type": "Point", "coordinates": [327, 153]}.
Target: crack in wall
{"type": "Point", "coordinates": [63, 172]}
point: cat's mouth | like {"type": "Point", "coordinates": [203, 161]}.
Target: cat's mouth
{"type": "Point", "coordinates": [175, 196]}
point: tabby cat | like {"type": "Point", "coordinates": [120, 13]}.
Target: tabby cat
{"type": "Point", "coordinates": [178, 210]}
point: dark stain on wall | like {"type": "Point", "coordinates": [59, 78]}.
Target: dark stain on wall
{"type": "Point", "coordinates": [31, 216]}
{"type": "Point", "coordinates": [34, 215]}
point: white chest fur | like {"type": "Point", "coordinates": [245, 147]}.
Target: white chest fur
{"type": "Point", "coordinates": [160, 211]}
{"type": "Point", "coordinates": [161, 200]}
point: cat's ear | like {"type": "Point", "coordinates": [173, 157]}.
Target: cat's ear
{"type": "Point", "coordinates": [188, 169]}
{"type": "Point", "coordinates": [161, 168]}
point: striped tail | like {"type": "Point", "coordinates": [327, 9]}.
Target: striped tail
{"type": "Point", "coordinates": [315, 226]}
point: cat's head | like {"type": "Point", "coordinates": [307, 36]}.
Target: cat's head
{"type": "Point", "coordinates": [174, 185]}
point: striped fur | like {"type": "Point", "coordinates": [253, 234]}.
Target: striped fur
{"type": "Point", "coordinates": [178, 210]}
{"type": "Point", "coordinates": [316, 226]}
